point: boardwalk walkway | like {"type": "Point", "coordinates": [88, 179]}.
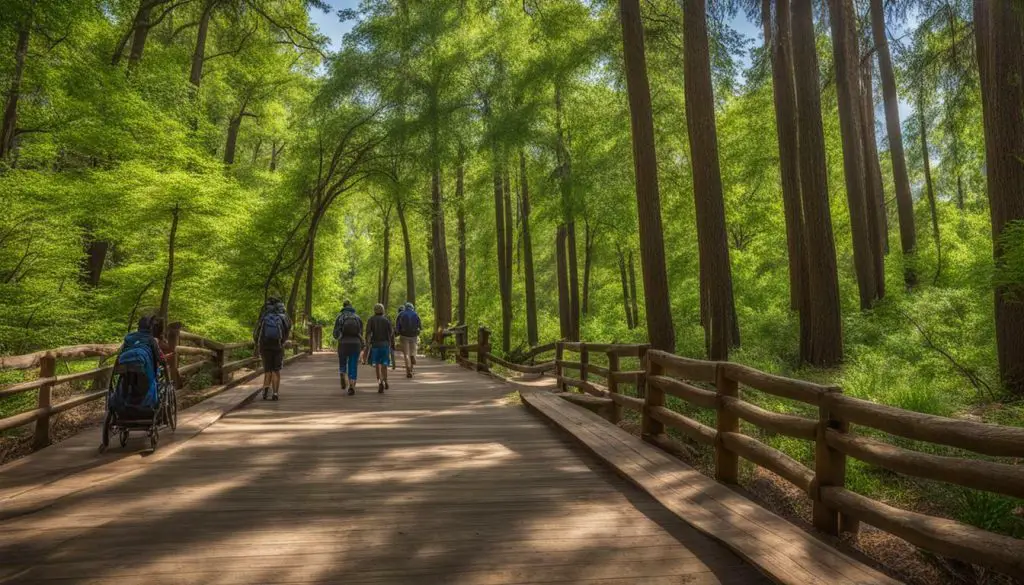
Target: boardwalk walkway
{"type": "Point", "coordinates": [443, 479]}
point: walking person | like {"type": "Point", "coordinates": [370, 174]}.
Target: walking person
{"type": "Point", "coordinates": [380, 339]}
{"type": "Point", "coordinates": [408, 326]}
{"type": "Point", "coordinates": [270, 335]}
{"type": "Point", "coordinates": [348, 330]}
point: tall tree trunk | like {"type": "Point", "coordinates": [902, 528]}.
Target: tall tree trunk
{"type": "Point", "coordinates": [311, 268]}
{"type": "Point", "coordinates": [275, 155]}
{"type": "Point", "coordinates": [531, 295]}
{"type": "Point", "coordinates": [442, 291]}
{"type": "Point", "coordinates": [999, 28]}
{"type": "Point", "coordinates": [660, 330]}
{"type": "Point", "coordinates": [293, 295]}
{"type": "Point", "coordinates": [141, 32]}
{"type": "Point", "coordinates": [165, 297]}
{"type": "Point", "coordinates": [509, 233]}
{"type": "Point", "coordinates": [461, 229]}
{"type": "Point", "coordinates": [846, 56]}
{"type": "Point", "coordinates": [499, 227]}
{"type": "Point", "coordinates": [588, 248]}
{"type": "Point", "coordinates": [574, 282]}
{"type": "Point", "coordinates": [8, 130]}
{"type": "Point", "coordinates": [633, 298]}
{"type": "Point", "coordinates": [713, 242]}
{"type": "Point", "coordinates": [789, 151]}
{"type": "Point", "coordinates": [825, 346]}
{"type": "Point", "coordinates": [562, 269]}
{"type": "Point", "coordinates": [625, 287]}
{"type": "Point", "coordinates": [198, 55]}
{"type": "Point", "coordinates": [410, 276]}
{"type": "Point", "coordinates": [232, 140]}
{"type": "Point", "coordinates": [928, 187]}
{"type": "Point", "coordinates": [875, 196]}
{"type": "Point", "coordinates": [96, 257]}
{"type": "Point", "coordinates": [385, 279]}
{"type": "Point", "coordinates": [904, 202]}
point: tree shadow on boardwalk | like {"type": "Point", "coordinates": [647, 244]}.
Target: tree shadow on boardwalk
{"type": "Point", "coordinates": [430, 483]}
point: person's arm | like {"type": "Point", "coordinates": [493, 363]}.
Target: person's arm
{"type": "Point", "coordinates": [287, 328]}
{"type": "Point", "coordinates": [337, 329]}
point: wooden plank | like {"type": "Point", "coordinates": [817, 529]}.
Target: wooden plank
{"type": "Point", "coordinates": [776, 385]}
{"type": "Point", "coordinates": [783, 424]}
{"type": "Point", "coordinates": [692, 394]}
{"type": "Point", "coordinates": [771, 459]}
{"type": "Point", "coordinates": [673, 365]}
{"type": "Point", "coordinates": [71, 352]}
{"type": "Point", "coordinates": [783, 552]}
{"type": "Point", "coordinates": [689, 427]}
{"type": "Point", "coordinates": [53, 381]}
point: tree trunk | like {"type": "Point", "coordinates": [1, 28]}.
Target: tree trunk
{"type": "Point", "coordinates": [256, 150]}
{"type": "Point", "coordinates": [410, 276]}
{"type": "Point", "coordinates": [562, 268]}
{"type": "Point", "coordinates": [275, 155]}
{"type": "Point", "coordinates": [198, 55]}
{"type": "Point", "coordinates": [825, 347]}
{"type": "Point", "coordinates": [588, 248]}
{"type": "Point", "coordinates": [999, 27]}
{"type": "Point", "coordinates": [875, 196]}
{"type": "Point", "coordinates": [499, 228]}
{"type": "Point", "coordinates": [141, 32]}
{"type": "Point", "coordinates": [293, 295]}
{"type": "Point", "coordinates": [442, 273]}
{"type": "Point", "coordinates": [713, 242]}
{"type": "Point", "coordinates": [789, 151]}
{"type": "Point", "coordinates": [8, 130]}
{"type": "Point", "coordinates": [928, 187]}
{"type": "Point", "coordinates": [509, 233]}
{"type": "Point", "coordinates": [660, 330]}
{"type": "Point", "coordinates": [165, 297]}
{"type": "Point", "coordinates": [310, 268]}
{"type": "Point", "coordinates": [461, 229]}
{"type": "Point", "coordinates": [846, 56]}
{"type": "Point", "coordinates": [904, 202]}
{"type": "Point", "coordinates": [633, 298]}
{"type": "Point", "coordinates": [96, 256]}
{"type": "Point", "coordinates": [385, 279]}
{"type": "Point", "coordinates": [232, 141]}
{"type": "Point", "coordinates": [625, 288]}
{"type": "Point", "coordinates": [574, 283]}
{"type": "Point", "coordinates": [531, 295]}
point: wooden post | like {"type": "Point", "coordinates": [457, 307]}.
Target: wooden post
{"type": "Point", "coordinates": [584, 362]}
{"type": "Point", "coordinates": [483, 339]}
{"type": "Point", "coordinates": [829, 470]}
{"type": "Point", "coordinates": [220, 376]}
{"type": "Point", "coordinates": [641, 385]}
{"type": "Point", "coordinates": [727, 463]}
{"type": "Point", "coordinates": [462, 340]}
{"type": "Point", "coordinates": [559, 372]}
{"type": "Point", "coordinates": [173, 338]}
{"type": "Point", "coordinates": [47, 369]}
{"type": "Point", "coordinates": [653, 398]}
{"type": "Point", "coordinates": [615, 415]}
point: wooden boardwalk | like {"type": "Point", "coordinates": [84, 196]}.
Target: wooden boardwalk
{"type": "Point", "coordinates": [442, 479]}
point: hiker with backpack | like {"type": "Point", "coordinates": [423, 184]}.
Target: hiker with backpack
{"type": "Point", "coordinates": [348, 330]}
{"type": "Point", "coordinates": [141, 352]}
{"type": "Point", "coordinates": [408, 326]}
{"type": "Point", "coordinates": [270, 336]}
{"type": "Point", "coordinates": [380, 339]}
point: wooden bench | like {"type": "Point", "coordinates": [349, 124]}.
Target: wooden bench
{"type": "Point", "coordinates": [782, 551]}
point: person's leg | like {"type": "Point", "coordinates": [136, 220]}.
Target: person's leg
{"type": "Point", "coordinates": [384, 370]}
{"type": "Point", "coordinates": [276, 379]}
{"type": "Point", "coordinates": [343, 369]}
{"type": "Point", "coordinates": [353, 372]}
{"type": "Point", "coordinates": [406, 351]}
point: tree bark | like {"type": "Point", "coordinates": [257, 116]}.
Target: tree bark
{"type": "Point", "coordinates": [165, 297]}
{"type": "Point", "coordinates": [8, 130]}
{"type": "Point", "coordinates": [712, 237]}
{"type": "Point", "coordinates": [875, 196]}
{"type": "Point", "coordinates": [588, 248]}
{"type": "Point", "coordinates": [846, 56]}
{"type": "Point", "coordinates": [509, 233]}
{"type": "Point", "coordinates": [311, 267]}
{"type": "Point", "coordinates": [275, 155]}
{"type": "Point", "coordinates": [999, 29]}
{"type": "Point", "coordinates": [789, 151]}
{"type": "Point", "coordinates": [410, 276]}
{"type": "Point", "coordinates": [574, 282]}
{"type": "Point", "coordinates": [633, 298]}
{"type": "Point", "coordinates": [232, 140]}
{"type": "Point", "coordinates": [825, 346]}
{"type": "Point", "coordinates": [385, 279]}
{"type": "Point", "coordinates": [904, 202]}
{"type": "Point", "coordinates": [928, 187]}
{"type": "Point", "coordinates": [199, 54]}
{"type": "Point", "coordinates": [660, 329]}
{"type": "Point", "coordinates": [141, 32]}
{"type": "Point", "coordinates": [461, 230]}
{"type": "Point", "coordinates": [442, 291]}
{"type": "Point", "coordinates": [562, 268]}
{"type": "Point", "coordinates": [293, 295]}
{"type": "Point", "coordinates": [625, 288]}
{"type": "Point", "coordinates": [96, 256]}
{"type": "Point", "coordinates": [499, 228]}
{"type": "Point", "coordinates": [531, 295]}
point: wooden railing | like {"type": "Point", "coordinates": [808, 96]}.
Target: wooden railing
{"type": "Point", "coordinates": [179, 344]}
{"type": "Point", "coordinates": [484, 358]}
{"type": "Point", "coordinates": [715, 386]}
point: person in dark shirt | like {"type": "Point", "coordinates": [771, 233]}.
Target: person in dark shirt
{"type": "Point", "coordinates": [348, 330]}
{"type": "Point", "coordinates": [270, 336]}
{"type": "Point", "coordinates": [380, 338]}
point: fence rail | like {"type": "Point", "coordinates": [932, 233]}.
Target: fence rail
{"type": "Point", "coordinates": [715, 386]}
{"type": "Point", "coordinates": [211, 353]}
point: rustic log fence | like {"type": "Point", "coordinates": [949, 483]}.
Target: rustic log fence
{"type": "Point", "coordinates": [716, 386]}
{"type": "Point", "coordinates": [176, 343]}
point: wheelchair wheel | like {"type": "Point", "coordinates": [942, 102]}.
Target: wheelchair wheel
{"type": "Point", "coordinates": [107, 423]}
{"type": "Point", "coordinates": [172, 408]}
{"type": "Point", "coordinates": [154, 438]}
{"type": "Point", "coordinates": [124, 437]}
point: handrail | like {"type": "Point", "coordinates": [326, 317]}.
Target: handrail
{"type": "Point", "coordinates": [211, 353]}
{"type": "Point", "coordinates": [716, 386]}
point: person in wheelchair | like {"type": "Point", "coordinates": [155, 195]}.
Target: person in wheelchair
{"type": "Point", "coordinates": [139, 363]}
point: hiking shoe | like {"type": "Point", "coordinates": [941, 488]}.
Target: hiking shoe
{"type": "Point", "coordinates": [351, 390]}
{"type": "Point", "coordinates": [386, 386]}
{"type": "Point", "coordinates": [408, 374]}
{"type": "Point", "coordinates": [380, 388]}
{"type": "Point", "coordinates": [265, 392]}
{"type": "Point", "coordinates": [274, 398]}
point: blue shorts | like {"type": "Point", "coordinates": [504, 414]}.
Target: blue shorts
{"type": "Point", "coordinates": [349, 364]}
{"type": "Point", "coordinates": [380, 355]}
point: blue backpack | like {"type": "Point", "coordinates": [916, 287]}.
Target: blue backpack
{"type": "Point", "coordinates": [139, 364]}
{"type": "Point", "coordinates": [272, 331]}
{"type": "Point", "coordinates": [409, 323]}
